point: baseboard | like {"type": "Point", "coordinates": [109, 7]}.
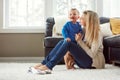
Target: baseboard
{"type": "Point", "coordinates": [21, 59]}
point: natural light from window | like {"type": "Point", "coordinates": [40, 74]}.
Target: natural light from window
{"type": "Point", "coordinates": [31, 14]}
{"type": "Point", "coordinates": [24, 13]}
{"type": "Point", "coordinates": [63, 6]}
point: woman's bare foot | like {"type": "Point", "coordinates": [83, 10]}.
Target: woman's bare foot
{"type": "Point", "coordinates": [38, 65]}
{"type": "Point", "coordinates": [43, 68]}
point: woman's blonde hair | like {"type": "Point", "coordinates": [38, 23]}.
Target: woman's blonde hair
{"type": "Point", "coordinates": [92, 27]}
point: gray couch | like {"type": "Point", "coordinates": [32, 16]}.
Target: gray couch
{"type": "Point", "coordinates": [111, 43]}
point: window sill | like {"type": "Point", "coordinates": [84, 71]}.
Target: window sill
{"type": "Point", "coordinates": [22, 30]}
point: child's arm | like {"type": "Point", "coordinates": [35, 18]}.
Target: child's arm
{"type": "Point", "coordinates": [65, 31]}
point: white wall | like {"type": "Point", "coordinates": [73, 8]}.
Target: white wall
{"type": "Point", "coordinates": [99, 7]}
{"type": "Point", "coordinates": [111, 8]}
{"type": "Point", "coordinates": [1, 13]}
{"type": "Point", "coordinates": [115, 8]}
{"type": "Point", "coordinates": [49, 8]}
{"type": "Point", "coordinates": [106, 8]}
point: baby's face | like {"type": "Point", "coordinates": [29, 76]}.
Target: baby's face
{"type": "Point", "coordinates": [73, 15]}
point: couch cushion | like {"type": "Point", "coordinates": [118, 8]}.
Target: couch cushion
{"type": "Point", "coordinates": [105, 29]}
{"type": "Point", "coordinates": [115, 25]}
{"type": "Point", "coordinates": [50, 42]}
{"type": "Point", "coordinates": [112, 41]}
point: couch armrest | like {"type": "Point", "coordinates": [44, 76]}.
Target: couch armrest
{"type": "Point", "coordinates": [49, 26]}
{"type": "Point", "coordinates": [112, 41]}
{"type": "Point", "coordinates": [104, 20]}
{"type": "Point", "coordinates": [51, 41]}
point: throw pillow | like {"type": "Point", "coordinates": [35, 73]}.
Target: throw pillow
{"type": "Point", "coordinates": [115, 25]}
{"type": "Point", "coordinates": [59, 23]}
{"type": "Point", "coordinates": [105, 29]}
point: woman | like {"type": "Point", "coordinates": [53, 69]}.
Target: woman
{"type": "Point", "coordinates": [87, 54]}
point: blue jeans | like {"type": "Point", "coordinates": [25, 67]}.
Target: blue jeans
{"type": "Point", "coordinates": [80, 56]}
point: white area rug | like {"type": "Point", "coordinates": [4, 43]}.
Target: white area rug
{"type": "Point", "coordinates": [18, 71]}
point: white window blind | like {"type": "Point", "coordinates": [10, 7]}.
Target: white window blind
{"type": "Point", "coordinates": [29, 14]}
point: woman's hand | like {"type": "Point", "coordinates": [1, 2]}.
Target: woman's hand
{"type": "Point", "coordinates": [78, 36]}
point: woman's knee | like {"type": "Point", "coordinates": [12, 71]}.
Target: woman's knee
{"type": "Point", "coordinates": [65, 42]}
{"type": "Point", "coordinates": [61, 41]}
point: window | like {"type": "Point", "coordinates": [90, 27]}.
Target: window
{"type": "Point", "coordinates": [24, 14]}
{"type": "Point", "coordinates": [31, 14]}
{"type": "Point", "coordinates": [62, 6]}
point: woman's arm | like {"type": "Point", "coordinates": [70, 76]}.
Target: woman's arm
{"type": "Point", "coordinates": [94, 47]}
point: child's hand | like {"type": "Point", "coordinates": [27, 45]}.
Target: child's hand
{"type": "Point", "coordinates": [68, 39]}
{"type": "Point", "coordinates": [78, 36]}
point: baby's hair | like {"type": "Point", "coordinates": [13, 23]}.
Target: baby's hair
{"type": "Point", "coordinates": [74, 9]}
